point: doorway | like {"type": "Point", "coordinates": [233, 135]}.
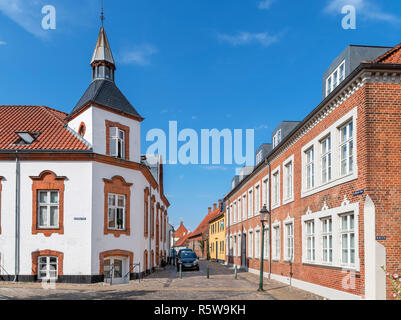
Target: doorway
{"type": "Point", "coordinates": [115, 270]}
{"type": "Point", "coordinates": [243, 254]}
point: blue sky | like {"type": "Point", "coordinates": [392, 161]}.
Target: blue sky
{"type": "Point", "coordinates": [205, 63]}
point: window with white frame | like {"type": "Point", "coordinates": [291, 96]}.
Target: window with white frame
{"type": "Point", "coordinates": [231, 245]}
{"type": "Point", "coordinates": [48, 209]}
{"type": "Point", "coordinates": [257, 244]}
{"type": "Point", "coordinates": [244, 214]}
{"type": "Point", "coordinates": [250, 203]}
{"type": "Point", "coordinates": [346, 148]}
{"type": "Point", "coordinates": [327, 240]}
{"type": "Point", "coordinates": [235, 246]}
{"type": "Point", "coordinates": [117, 142]}
{"type": "Point", "coordinates": [47, 267]}
{"type": "Point", "coordinates": [335, 78]}
{"type": "Point", "coordinates": [266, 246]}
{"type": "Point", "coordinates": [257, 199]}
{"type": "Point", "coordinates": [259, 157]}
{"type": "Point", "coordinates": [276, 188]}
{"type": "Point", "coordinates": [288, 176]}
{"type": "Point", "coordinates": [235, 212]}
{"type": "Point", "coordinates": [289, 241]}
{"type": "Point", "coordinates": [231, 215]}
{"type": "Point", "coordinates": [239, 209]}
{"type": "Point", "coordinates": [265, 191]}
{"type": "Point", "coordinates": [117, 209]}
{"type": "Point", "coordinates": [310, 240]}
{"type": "Point", "coordinates": [276, 243]}
{"type": "Point", "coordinates": [239, 246]}
{"type": "Point", "coordinates": [277, 138]}
{"type": "Point", "coordinates": [347, 233]}
{"type": "Point", "coordinates": [310, 168]}
{"type": "Point", "coordinates": [326, 159]}
{"type": "Point", "coordinates": [250, 244]}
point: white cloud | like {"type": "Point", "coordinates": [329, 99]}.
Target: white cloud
{"type": "Point", "coordinates": [3, 43]}
{"type": "Point", "coordinates": [27, 14]}
{"type": "Point", "coordinates": [262, 127]}
{"type": "Point", "coordinates": [265, 4]}
{"type": "Point", "coordinates": [244, 38]}
{"type": "Point", "coordinates": [215, 168]}
{"type": "Point", "coordinates": [139, 55]}
{"type": "Point", "coordinates": [366, 9]}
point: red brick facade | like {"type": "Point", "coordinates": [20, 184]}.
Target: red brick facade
{"type": "Point", "coordinates": [377, 144]}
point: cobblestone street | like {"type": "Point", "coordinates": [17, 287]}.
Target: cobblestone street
{"type": "Point", "coordinates": [166, 284]}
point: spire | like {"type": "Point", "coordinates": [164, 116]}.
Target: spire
{"type": "Point", "coordinates": [102, 50]}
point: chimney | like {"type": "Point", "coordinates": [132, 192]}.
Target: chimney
{"type": "Point", "coordinates": [209, 210]}
{"type": "Point", "coordinates": [220, 202]}
{"type": "Point", "coordinates": [214, 206]}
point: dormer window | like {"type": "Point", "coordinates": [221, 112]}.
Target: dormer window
{"type": "Point", "coordinates": [259, 157]}
{"type": "Point", "coordinates": [117, 143]}
{"type": "Point", "coordinates": [335, 78]}
{"type": "Point", "coordinates": [277, 138]}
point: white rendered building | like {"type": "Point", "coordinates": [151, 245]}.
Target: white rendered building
{"type": "Point", "coordinates": [78, 202]}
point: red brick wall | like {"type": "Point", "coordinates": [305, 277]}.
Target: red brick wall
{"type": "Point", "coordinates": [378, 157]}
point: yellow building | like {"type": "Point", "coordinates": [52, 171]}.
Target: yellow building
{"type": "Point", "coordinates": [217, 238]}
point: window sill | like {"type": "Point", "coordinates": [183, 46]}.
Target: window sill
{"type": "Point", "coordinates": [332, 183]}
{"type": "Point", "coordinates": [330, 266]}
{"type": "Point", "coordinates": [289, 200]}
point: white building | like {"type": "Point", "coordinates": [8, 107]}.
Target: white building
{"type": "Point", "coordinates": [78, 202]}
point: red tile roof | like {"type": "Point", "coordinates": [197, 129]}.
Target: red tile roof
{"type": "Point", "coordinates": [181, 231]}
{"type": "Point", "coordinates": [204, 225]}
{"type": "Point", "coordinates": [50, 123]}
{"type": "Point", "coordinates": [183, 241]}
{"type": "Point", "coordinates": [393, 56]}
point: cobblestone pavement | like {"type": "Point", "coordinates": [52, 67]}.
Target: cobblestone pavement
{"type": "Point", "coordinates": [166, 285]}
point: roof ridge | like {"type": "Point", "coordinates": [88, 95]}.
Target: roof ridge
{"type": "Point", "coordinates": [387, 53]}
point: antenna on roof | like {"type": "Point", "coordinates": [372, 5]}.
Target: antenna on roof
{"type": "Point", "coordinates": [102, 18]}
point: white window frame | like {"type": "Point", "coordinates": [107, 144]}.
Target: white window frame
{"type": "Point", "coordinates": [250, 243]}
{"type": "Point", "coordinates": [336, 177]}
{"type": "Point", "coordinates": [235, 212]}
{"type": "Point", "coordinates": [48, 264]}
{"type": "Point", "coordinates": [348, 233]}
{"type": "Point", "coordinates": [239, 247]}
{"type": "Point", "coordinates": [310, 168]}
{"type": "Point", "coordinates": [340, 77]}
{"type": "Point", "coordinates": [276, 241]}
{"type": "Point", "coordinates": [118, 142]}
{"type": "Point", "coordinates": [258, 242]}
{"type": "Point", "coordinates": [310, 240]}
{"type": "Point", "coordinates": [288, 180]}
{"type": "Point", "coordinates": [277, 138]}
{"type": "Point", "coordinates": [327, 234]}
{"type": "Point", "coordinates": [349, 141]}
{"type": "Point", "coordinates": [259, 157]}
{"type": "Point", "coordinates": [266, 252]}
{"type": "Point", "coordinates": [239, 209]}
{"type": "Point", "coordinates": [265, 191]}
{"type": "Point", "coordinates": [326, 158]}
{"type": "Point", "coordinates": [244, 207]}
{"type": "Point", "coordinates": [334, 214]}
{"type": "Point", "coordinates": [257, 196]}
{"type": "Point", "coordinates": [250, 203]}
{"type": "Point", "coordinates": [288, 238]}
{"type": "Point", "coordinates": [276, 188]}
{"type": "Point", "coordinates": [116, 207]}
{"type": "Point", "coordinates": [48, 205]}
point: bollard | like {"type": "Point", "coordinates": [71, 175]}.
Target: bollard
{"type": "Point", "coordinates": [180, 271]}
{"type": "Point", "coordinates": [207, 272]}
{"type": "Point", "coordinates": [235, 273]}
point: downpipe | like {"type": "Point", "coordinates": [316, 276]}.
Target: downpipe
{"type": "Point", "coordinates": [17, 215]}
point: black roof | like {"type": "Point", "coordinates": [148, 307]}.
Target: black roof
{"type": "Point", "coordinates": [106, 93]}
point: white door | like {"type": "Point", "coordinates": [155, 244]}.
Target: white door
{"type": "Point", "coordinates": [115, 270]}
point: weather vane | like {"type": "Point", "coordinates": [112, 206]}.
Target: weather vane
{"type": "Point", "coordinates": [102, 18]}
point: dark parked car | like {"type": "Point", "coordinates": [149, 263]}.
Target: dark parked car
{"type": "Point", "coordinates": [179, 253]}
{"type": "Point", "coordinates": [188, 260]}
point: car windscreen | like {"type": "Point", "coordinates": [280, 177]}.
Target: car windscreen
{"type": "Point", "coordinates": [188, 254]}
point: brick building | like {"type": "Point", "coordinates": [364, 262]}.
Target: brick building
{"type": "Point", "coordinates": [332, 184]}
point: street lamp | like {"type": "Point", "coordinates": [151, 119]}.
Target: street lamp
{"type": "Point", "coordinates": [263, 218]}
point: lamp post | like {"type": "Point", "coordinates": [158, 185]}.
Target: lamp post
{"type": "Point", "coordinates": [263, 218]}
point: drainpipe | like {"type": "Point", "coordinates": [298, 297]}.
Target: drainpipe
{"type": "Point", "coordinates": [17, 216]}
{"type": "Point", "coordinates": [150, 226]}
